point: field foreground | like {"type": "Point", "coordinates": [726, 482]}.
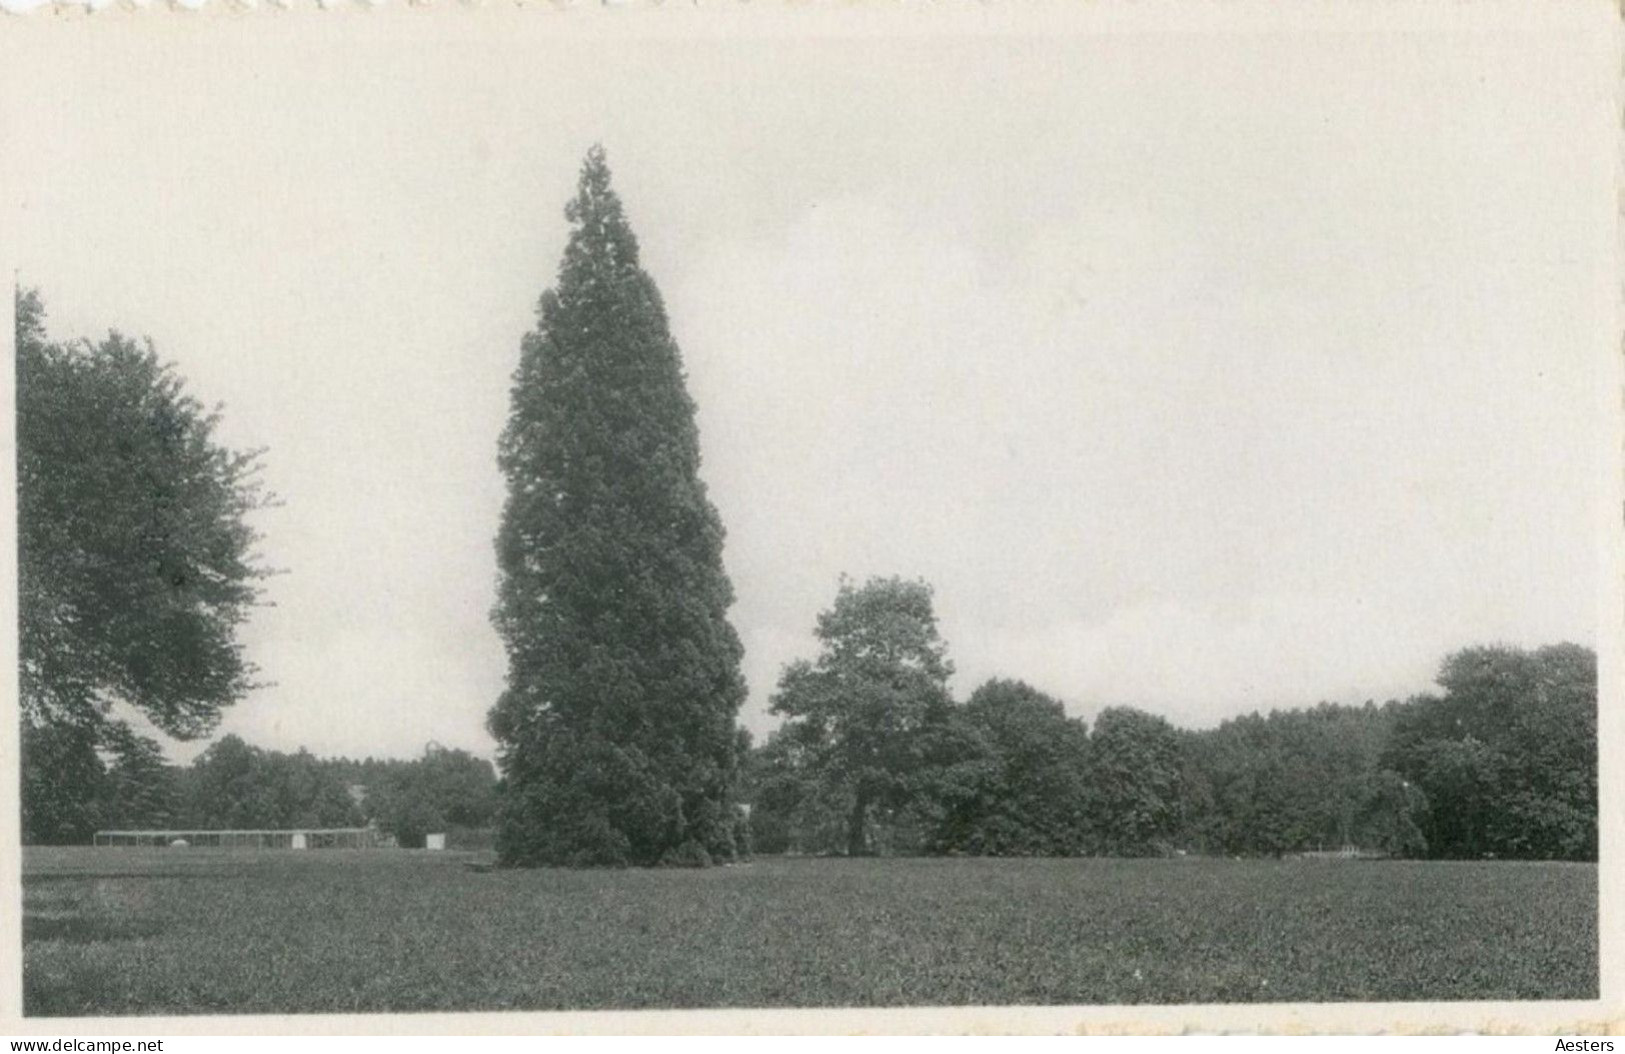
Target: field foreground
{"type": "Point", "coordinates": [148, 931]}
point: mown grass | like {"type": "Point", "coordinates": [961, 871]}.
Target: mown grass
{"type": "Point", "coordinates": [131, 931]}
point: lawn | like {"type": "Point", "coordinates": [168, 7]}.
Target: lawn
{"type": "Point", "coordinates": [146, 931]}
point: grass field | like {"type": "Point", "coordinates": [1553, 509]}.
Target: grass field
{"type": "Point", "coordinates": [132, 931]}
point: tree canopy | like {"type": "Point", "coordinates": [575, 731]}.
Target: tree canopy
{"type": "Point", "coordinates": [1022, 790]}
{"type": "Point", "coordinates": [442, 790]}
{"type": "Point", "coordinates": [1135, 777]}
{"type": "Point", "coordinates": [864, 710]}
{"type": "Point", "coordinates": [137, 564]}
{"type": "Point", "coordinates": [617, 731]}
{"type": "Point", "coordinates": [127, 784]}
{"type": "Point", "coordinates": [875, 756]}
{"type": "Point", "coordinates": [1507, 756]}
{"type": "Point", "coordinates": [233, 785]}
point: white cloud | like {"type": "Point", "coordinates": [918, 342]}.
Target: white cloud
{"type": "Point", "coordinates": [1200, 373]}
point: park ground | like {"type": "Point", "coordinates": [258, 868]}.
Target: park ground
{"type": "Point", "coordinates": [150, 931]}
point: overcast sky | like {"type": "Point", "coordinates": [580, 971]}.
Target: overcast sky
{"type": "Point", "coordinates": [1199, 373]}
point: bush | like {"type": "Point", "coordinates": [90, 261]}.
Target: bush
{"type": "Point", "coordinates": [688, 854]}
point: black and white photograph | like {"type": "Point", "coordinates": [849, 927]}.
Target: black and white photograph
{"type": "Point", "coordinates": [1110, 512]}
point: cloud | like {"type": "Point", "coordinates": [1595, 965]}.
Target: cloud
{"type": "Point", "coordinates": [1198, 372]}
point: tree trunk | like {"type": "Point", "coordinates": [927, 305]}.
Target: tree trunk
{"type": "Point", "coordinates": [856, 824]}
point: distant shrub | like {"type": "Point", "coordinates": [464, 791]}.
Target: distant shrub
{"type": "Point", "coordinates": [687, 854]}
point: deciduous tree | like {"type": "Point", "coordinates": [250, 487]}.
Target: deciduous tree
{"type": "Point", "coordinates": [136, 561]}
{"type": "Point", "coordinates": [1025, 793]}
{"type": "Point", "coordinates": [863, 710]}
{"type": "Point", "coordinates": [1134, 777]}
{"type": "Point", "coordinates": [443, 789]}
{"type": "Point", "coordinates": [1507, 756]}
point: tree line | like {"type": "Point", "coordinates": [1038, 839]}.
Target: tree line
{"type": "Point", "coordinates": [137, 563]}
{"type": "Point", "coordinates": [875, 756]}
{"type": "Point", "coordinates": [235, 786]}
{"type": "Point", "coordinates": [617, 732]}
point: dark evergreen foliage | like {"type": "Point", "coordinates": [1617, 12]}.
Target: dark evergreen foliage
{"type": "Point", "coordinates": [617, 729]}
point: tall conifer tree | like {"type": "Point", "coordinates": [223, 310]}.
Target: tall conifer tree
{"type": "Point", "coordinates": [618, 735]}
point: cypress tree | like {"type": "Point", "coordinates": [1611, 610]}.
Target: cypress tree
{"type": "Point", "coordinates": [617, 729]}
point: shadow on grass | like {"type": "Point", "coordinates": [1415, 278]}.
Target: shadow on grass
{"type": "Point", "coordinates": [85, 876]}
{"type": "Point", "coordinates": [84, 929]}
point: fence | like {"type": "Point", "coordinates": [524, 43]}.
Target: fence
{"type": "Point", "coordinates": [294, 838]}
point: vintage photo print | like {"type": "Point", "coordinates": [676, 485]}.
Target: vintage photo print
{"type": "Point", "coordinates": [879, 517]}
